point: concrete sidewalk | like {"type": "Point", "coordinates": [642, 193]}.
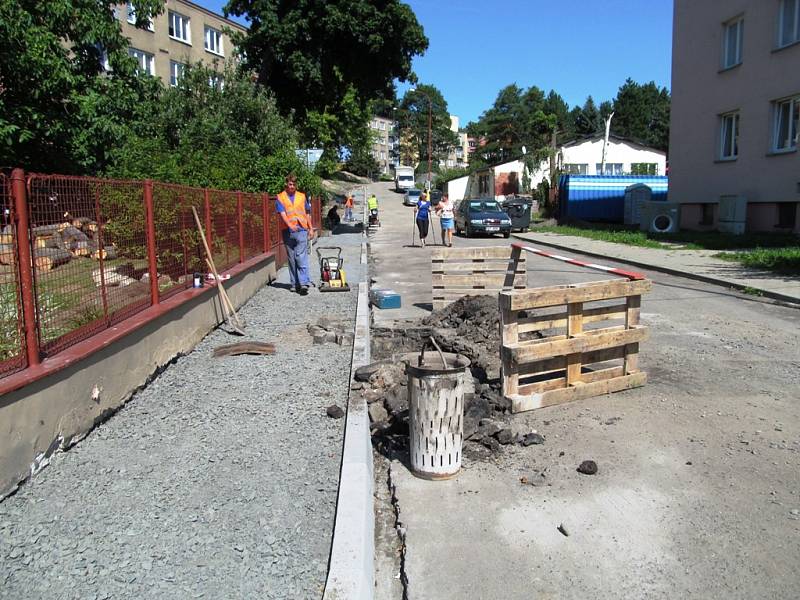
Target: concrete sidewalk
{"type": "Point", "coordinates": [694, 264]}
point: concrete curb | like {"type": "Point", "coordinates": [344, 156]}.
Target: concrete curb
{"type": "Point", "coordinates": [669, 271]}
{"type": "Point", "coordinates": [351, 571]}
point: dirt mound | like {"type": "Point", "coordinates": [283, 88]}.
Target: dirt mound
{"type": "Point", "coordinates": [474, 318]}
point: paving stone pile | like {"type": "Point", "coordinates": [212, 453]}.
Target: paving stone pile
{"type": "Point", "coordinates": [217, 480]}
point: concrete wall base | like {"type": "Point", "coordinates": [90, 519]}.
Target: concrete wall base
{"type": "Point", "coordinates": [54, 412]}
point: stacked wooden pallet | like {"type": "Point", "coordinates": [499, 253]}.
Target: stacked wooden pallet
{"type": "Point", "coordinates": [458, 272]}
{"type": "Point", "coordinates": [571, 361]}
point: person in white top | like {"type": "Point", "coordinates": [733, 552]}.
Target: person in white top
{"type": "Point", "coordinates": [447, 219]}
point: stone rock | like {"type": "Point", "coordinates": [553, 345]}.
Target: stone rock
{"type": "Point", "coordinates": [372, 395]}
{"type": "Point", "coordinates": [587, 467]}
{"type": "Point", "coordinates": [388, 375]}
{"type": "Point", "coordinates": [334, 412]}
{"type": "Point", "coordinates": [563, 530]}
{"type": "Point", "coordinates": [365, 372]}
{"type": "Point", "coordinates": [489, 427]}
{"type": "Point", "coordinates": [491, 443]}
{"type": "Point", "coordinates": [314, 329]}
{"type": "Point", "coordinates": [505, 436]}
{"type": "Point", "coordinates": [530, 439]}
{"type": "Point", "coordinates": [396, 400]}
{"type": "Point", "coordinates": [377, 413]}
{"type": "Point", "coordinates": [345, 339]}
{"type": "Point", "coordinates": [475, 409]}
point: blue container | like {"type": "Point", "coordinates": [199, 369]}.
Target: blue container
{"type": "Point", "coordinates": [384, 298]}
{"type": "Point", "coordinates": [602, 197]}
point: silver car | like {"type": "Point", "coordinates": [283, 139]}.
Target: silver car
{"type": "Point", "coordinates": [411, 197]}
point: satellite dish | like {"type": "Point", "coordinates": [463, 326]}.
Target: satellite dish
{"type": "Point", "coordinates": [524, 150]}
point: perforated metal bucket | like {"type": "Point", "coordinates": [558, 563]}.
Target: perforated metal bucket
{"type": "Point", "coordinates": [436, 413]}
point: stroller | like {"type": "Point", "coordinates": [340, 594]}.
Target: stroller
{"type": "Point", "coordinates": [373, 218]}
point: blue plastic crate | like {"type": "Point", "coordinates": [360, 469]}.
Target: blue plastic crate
{"type": "Point", "coordinates": [385, 298]}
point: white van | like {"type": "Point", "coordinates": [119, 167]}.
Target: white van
{"type": "Point", "coordinates": [403, 178]}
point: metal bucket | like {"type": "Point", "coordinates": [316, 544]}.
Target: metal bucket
{"type": "Point", "coordinates": [436, 412]}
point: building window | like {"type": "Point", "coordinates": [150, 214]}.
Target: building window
{"type": "Point", "coordinates": [213, 41]}
{"type": "Point", "coordinates": [383, 155]}
{"type": "Point", "coordinates": [216, 81]}
{"type": "Point", "coordinates": [787, 215]}
{"type": "Point", "coordinates": [576, 168]}
{"type": "Point", "coordinates": [644, 168]}
{"type": "Point", "coordinates": [146, 61]}
{"type": "Point", "coordinates": [729, 136]}
{"type": "Point", "coordinates": [611, 169]}
{"type": "Point", "coordinates": [179, 27]}
{"type": "Point", "coordinates": [732, 43]}
{"type": "Point", "coordinates": [175, 72]}
{"type": "Point", "coordinates": [132, 17]}
{"type": "Point", "coordinates": [789, 23]}
{"type": "Point", "coordinates": [787, 115]}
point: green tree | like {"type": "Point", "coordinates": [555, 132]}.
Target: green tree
{"type": "Point", "coordinates": [413, 122]}
{"type": "Point", "coordinates": [230, 137]}
{"type": "Point", "coordinates": [642, 113]}
{"type": "Point", "coordinates": [326, 59]}
{"type": "Point", "coordinates": [60, 109]}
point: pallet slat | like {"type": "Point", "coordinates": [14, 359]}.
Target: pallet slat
{"type": "Point", "coordinates": [521, 402]}
{"type": "Point", "coordinates": [583, 292]}
{"type": "Point", "coordinates": [586, 342]}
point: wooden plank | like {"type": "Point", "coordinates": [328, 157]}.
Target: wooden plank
{"type": "Point", "coordinates": [583, 292]}
{"type": "Point", "coordinates": [632, 320]}
{"type": "Point", "coordinates": [560, 382]}
{"type": "Point", "coordinates": [509, 333]}
{"type": "Point", "coordinates": [586, 342]}
{"type": "Point", "coordinates": [483, 279]}
{"type": "Point", "coordinates": [559, 363]}
{"type": "Point", "coordinates": [470, 253]}
{"type": "Point", "coordinates": [515, 257]}
{"type": "Point", "coordinates": [554, 321]}
{"type": "Point", "coordinates": [574, 329]}
{"type": "Point", "coordinates": [452, 295]}
{"type": "Point", "coordinates": [455, 269]}
{"type": "Point", "coordinates": [520, 403]}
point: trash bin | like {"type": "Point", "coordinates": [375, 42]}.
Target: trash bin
{"type": "Point", "coordinates": [436, 412]}
{"type": "Point", "coordinates": [519, 211]}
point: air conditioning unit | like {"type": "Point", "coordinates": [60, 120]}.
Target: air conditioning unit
{"type": "Point", "coordinates": [732, 214]}
{"type": "Point", "coordinates": [660, 217]}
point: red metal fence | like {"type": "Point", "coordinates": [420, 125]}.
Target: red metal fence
{"type": "Point", "coordinates": [80, 254]}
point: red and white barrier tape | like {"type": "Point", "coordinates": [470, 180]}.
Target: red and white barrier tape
{"type": "Point", "coordinates": [633, 276]}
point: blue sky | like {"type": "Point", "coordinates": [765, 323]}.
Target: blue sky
{"type": "Point", "coordinates": [576, 47]}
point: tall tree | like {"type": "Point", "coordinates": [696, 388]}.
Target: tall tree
{"type": "Point", "coordinates": [642, 113]}
{"type": "Point", "coordinates": [319, 55]}
{"type": "Point", "coordinates": [413, 123]}
{"type": "Point", "coordinates": [67, 85]}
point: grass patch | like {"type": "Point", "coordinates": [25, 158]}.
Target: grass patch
{"type": "Point", "coordinates": [780, 260]}
{"type": "Point", "coordinates": [618, 236]}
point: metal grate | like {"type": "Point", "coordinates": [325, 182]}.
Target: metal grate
{"type": "Point", "coordinates": [12, 341]}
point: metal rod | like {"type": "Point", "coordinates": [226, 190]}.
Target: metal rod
{"type": "Point", "coordinates": [25, 265]}
{"type": "Point", "coordinates": [152, 262]}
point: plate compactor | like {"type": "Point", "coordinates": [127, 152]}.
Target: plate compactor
{"type": "Point", "coordinates": [331, 275]}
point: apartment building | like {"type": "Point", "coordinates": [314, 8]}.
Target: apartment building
{"type": "Point", "coordinates": [458, 155]}
{"type": "Point", "coordinates": [735, 120]}
{"type": "Point", "coordinates": [384, 144]}
{"type": "Point", "coordinates": [183, 33]}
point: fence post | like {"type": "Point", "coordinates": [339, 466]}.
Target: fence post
{"type": "Point", "coordinates": [207, 209]}
{"type": "Point", "coordinates": [101, 249]}
{"type": "Point", "coordinates": [265, 219]}
{"type": "Point", "coordinates": [25, 264]}
{"type": "Point", "coordinates": [152, 263]}
{"type": "Point", "coordinates": [239, 212]}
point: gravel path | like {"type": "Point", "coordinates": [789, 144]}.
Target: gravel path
{"type": "Point", "coordinates": [218, 480]}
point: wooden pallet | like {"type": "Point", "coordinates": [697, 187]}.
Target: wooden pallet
{"type": "Point", "coordinates": [458, 272]}
{"type": "Point", "coordinates": [550, 357]}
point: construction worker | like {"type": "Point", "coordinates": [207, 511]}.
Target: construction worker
{"type": "Point", "coordinates": [372, 205]}
{"type": "Point", "coordinates": [294, 209]}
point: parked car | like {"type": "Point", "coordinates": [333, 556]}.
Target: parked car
{"type": "Point", "coordinates": [411, 197]}
{"type": "Point", "coordinates": [481, 215]}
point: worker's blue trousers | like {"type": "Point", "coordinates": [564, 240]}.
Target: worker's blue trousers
{"type": "Point", "coordinates": [297, 250]}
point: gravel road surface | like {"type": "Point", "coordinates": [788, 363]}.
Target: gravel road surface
{"type": "Point", "coordinates": [218, 480]}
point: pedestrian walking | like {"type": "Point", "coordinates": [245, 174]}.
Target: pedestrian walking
{"type": "Point", "coordinates": [447, 219]}
{"type": "Point", "coordinates": [422, 217]}
{"type": "Point", "coordinates": [348, 208]}
{"type": "Point", "coordinates": [296, 229]}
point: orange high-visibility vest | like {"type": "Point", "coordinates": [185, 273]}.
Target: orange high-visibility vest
{"type": "Point", "coordinates": [294, 214]}
{"type": "Point", "coordinates": [349, 202]}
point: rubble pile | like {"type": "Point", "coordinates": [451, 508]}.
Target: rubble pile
{"type": "Point", "coordinates": [469, 327]}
